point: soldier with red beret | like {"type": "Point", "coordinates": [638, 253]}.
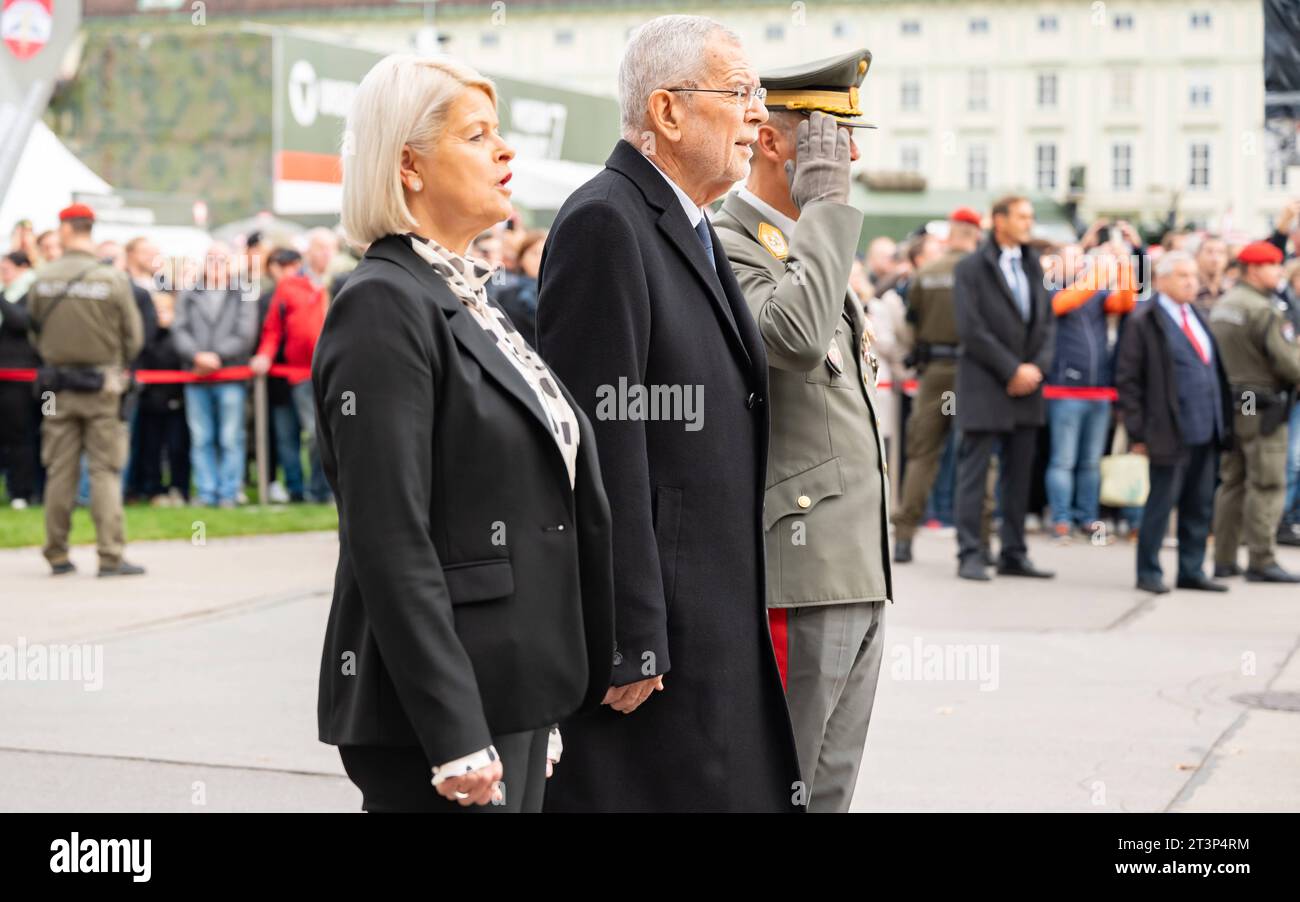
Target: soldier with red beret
{"type": "Point", "coordinates": [933, 317]}
{"type": "Point", "coordinates": [1262, 360]}
{"type": "Point", "coordinates": [87, 329]}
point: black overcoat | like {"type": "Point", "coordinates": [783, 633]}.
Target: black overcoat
{"type": "Point", "coordinates": [627, 293]}
{"type": "Point", "coordinates": [995, 340]}
{"type": "Point", "coordinates": [1147, 386]}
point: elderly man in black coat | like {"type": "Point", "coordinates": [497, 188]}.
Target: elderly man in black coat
{"type": "Point", "coordinates": [1177, 407]}
{"type": "Point", "coordinates": [1007, 333]}
{"type": "Point", "coordinates": [641, 317]}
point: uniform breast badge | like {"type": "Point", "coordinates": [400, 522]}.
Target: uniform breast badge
{"type": "Point", "coordinates": [773, 240]}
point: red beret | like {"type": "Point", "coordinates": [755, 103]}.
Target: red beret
{"type": "Point", "coordinates": [1260, 252]}
{"type": "Point", "coordinates": [76, 211]}
{"type": "Point", "coordinates": [965, 214]}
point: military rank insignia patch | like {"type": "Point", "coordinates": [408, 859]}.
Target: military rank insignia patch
{"type": "Point", "coordinates": [773, 240]}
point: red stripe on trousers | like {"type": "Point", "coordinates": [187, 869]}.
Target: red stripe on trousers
{"type": "Point", "coordinates": [780, 639]}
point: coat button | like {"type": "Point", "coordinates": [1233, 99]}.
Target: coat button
{"type": "Point", "coordinates": [749, 402]}
{"type": "Point", "coordinates": [804, 501]}
{"type": "Point", "coordinates": [560, 527]}
{"type": "Point", "coordinates": [618, 658]}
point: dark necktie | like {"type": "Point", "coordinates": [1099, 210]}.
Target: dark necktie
{"type": "Point", "coordinates": [702, 230]}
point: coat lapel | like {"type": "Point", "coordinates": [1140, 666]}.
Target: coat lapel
{"type": "Point", "coordinates": [991, 257]}
{"type": "Point", "coordinates": [469, 334]}
{"type": "Point", "coordinates": [672, 221]}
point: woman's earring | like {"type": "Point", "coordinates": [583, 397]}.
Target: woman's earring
{"type": "Point", "coordinates": [417, 185]}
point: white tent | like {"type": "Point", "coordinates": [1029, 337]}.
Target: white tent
{"type": "Point", "coordinates": [47, 175]}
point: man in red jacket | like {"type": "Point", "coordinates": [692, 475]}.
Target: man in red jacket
{"type": "Point", "coordinates": [289, 334]}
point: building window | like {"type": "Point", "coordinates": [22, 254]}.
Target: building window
{"type": "Point", "coordinates": [1121, 166]}
{"type": "Point", "coordinates": [1045, 166]}
{"type": "Point", "coordinates": [1121, 89]}
{"type": "Point", "coordinates": [1200, 19]}
{"type": "Point", "coordinates": [1122, 22]}
{"type": "Point", "coordinates": [911, 26]}
{"type": "Point", "coordinates": [977, 90]}
{"type": "Point", "coordinates": [979, 26]}
{"type": "Point", "coordinates": [840, 29]}
{"type": "Point", "coordinates": [1047, 89]}
{"type": "Point", "coordinates": [910, 94]}
{"type": "Point", "coordinates": [1047, 23]}
{"type": "Point", "coordinates": [774, 32]}
{"type": "Point", "coordinates": [977, 167]}
{"type": "Point", "coordinates": [564, 37]}
{"type": "Point", "coordinates": [1200, 93]}
{"type": "Point", "coordinates": [909, 157]}
{"type": "Point", "coordinates": [1198, 173]}
{"type": "Point", "coordinates": [489, 39]}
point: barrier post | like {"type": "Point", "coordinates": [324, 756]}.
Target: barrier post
{"type": "Point", "coordinates": [259, 437]}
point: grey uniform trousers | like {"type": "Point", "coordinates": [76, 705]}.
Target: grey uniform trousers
{"type": "Point", "coordinates": [833, 660]}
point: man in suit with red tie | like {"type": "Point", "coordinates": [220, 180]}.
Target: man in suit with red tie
{"type": "Point", "coordinates": [1175, 404]}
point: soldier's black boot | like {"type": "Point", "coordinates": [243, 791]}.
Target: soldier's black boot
{"type": "Point", "coordinates": [1222, 571]}
{"type": "Point", "coordinates": [903, 551]}
{"type": "Point", "coordinates": [1289, 534]}
{"type": "Point", "coordinates": [122, 569]}
{"type": "Point", "coordinates": [1271, 574]}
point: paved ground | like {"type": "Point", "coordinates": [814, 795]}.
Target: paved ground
{"type": "Point", "coordinates": [1080, 694]}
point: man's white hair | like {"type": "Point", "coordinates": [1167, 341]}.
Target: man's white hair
{"type": "Point", "coordinates": [668, 51]}
{"type": "Point", "coordinates": [1165, 265]}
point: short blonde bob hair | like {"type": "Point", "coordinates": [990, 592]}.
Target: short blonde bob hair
{"type": "Point", "coordinates": [402, 100]}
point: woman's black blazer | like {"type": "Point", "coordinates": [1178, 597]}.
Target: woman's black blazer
{"type": "Point", "coordinates": [474, 590]}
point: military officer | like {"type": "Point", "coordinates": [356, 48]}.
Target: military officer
{"type": "Point", "coordinates": [86, 327]}
{"type": "Point", "coordinates": [790, 234]}
{"type": "Point", "coordinates": [1262, 360]}
{"type": "Point", "coordinates": [933, 318]}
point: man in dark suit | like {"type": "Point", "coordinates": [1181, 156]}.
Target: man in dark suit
{"type": "Point", "coordinates": [638, 299]}
{"type": "Point", "coordinates": [1007, 336]}
{"type": "Point", "coordinates": [1177, 408]}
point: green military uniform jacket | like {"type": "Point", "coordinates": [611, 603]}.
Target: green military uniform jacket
{"type": "Point", "coordinates": [96, 324]}
{"type": "Point", "coordinates": [825, 507]}
{"type": "Point", "coordinates": [930, 307]}
{"type": "Point", "coordinates": [1259, 348]}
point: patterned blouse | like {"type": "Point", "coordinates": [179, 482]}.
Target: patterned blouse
{"type": "Point", "coordinates": [466, 277]}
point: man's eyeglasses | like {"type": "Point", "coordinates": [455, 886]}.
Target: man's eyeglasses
{"type": "Point", "coordinates": [746, 95]}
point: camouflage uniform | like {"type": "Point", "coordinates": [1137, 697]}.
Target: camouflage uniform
{"type": "Point", "coordinates": [1262, 361]}
{"type": "Point", "coordinates": [97, 326]}
{"type": "Point", "coordinates": [933, 317]}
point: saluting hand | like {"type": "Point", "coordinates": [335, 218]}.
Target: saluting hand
{"type": "Point", "coordinates": [820, 169]}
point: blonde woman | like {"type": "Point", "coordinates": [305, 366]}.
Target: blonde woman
{"type": "Point", "coordinates": [473, 598]}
